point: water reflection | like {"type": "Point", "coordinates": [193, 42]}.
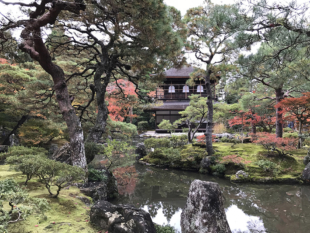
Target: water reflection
{"type": "Point", "coordinates": [243, 223]}
{"type": "Point", "coordinates": [249, 208]}
{"type": "Point", "coordinates": [160, 217]}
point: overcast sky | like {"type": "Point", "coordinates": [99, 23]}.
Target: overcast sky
{"type": "Point", "coordinates": [184, 5]}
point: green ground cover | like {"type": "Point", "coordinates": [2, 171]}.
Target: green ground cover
{"type": "Point", "coordinates": [230, 158]}
{"type": "Point", "coordinates": [67, 213]}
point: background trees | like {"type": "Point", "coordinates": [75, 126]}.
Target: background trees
{"type": "Point", "coordinates": [297, 109]}
{"type": "Point", "coordinates": [275, 74]}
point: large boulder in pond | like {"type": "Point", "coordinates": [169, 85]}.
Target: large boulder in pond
{"type": "Point", "coordinates": [306, 174]}
{"type": "Point", "coordinates": [204, 211]}
{"type": "Point", "coordinates": [140, 151]}
{"type": "Point", "coordinates": [63, 154]}
{"type": "Point", "coordinates": [121, 218]}
{"type": "Point", "coordinates": [306, 160]}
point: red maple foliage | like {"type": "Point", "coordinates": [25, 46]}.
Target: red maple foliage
{"type": "Point", "coordinates": [296, 108]}
{"type": "Point", "coordinates": [202, 139]}
{"type": "Point", "coordinates": [127, 178]}
{"type": "Point", "coordinates": [234, 159]}
{"type": "Point", "coordinates": [273, 143]}
{"type": "Point", "coordinates": [249, 118]}
{"type": "Point", "coordinates": [3, 61]}
{"type": "Point", "coordinates": [122, 97]}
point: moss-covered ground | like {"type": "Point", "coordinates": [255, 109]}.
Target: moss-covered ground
{"type": "Point", "coordinates": [67, 213]}
{"type": "Point", "coordinates": [236, 157]}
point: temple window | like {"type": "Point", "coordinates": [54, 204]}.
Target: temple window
{"type": "Point", "coordinates": [199, 88]}
{"type": "Point", "coordinates": [185, 89]}
{"type": "Point", "coordinates": [171, 89]}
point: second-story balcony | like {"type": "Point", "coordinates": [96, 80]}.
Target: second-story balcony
{"type": "Point", "coordinates": [179, 91]}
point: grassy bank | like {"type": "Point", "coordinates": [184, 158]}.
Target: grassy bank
{"type": "Point", "coordinates": [67, 213]}
{"type": "Point", "coordinates": [261, 166]}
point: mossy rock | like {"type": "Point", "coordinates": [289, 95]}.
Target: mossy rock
{"type": "Point", "coordinates": [241, 179]}
{"type": "Point", "coordinates": [232, 168]}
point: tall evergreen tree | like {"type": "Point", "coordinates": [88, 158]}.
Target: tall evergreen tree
{"type": "Point", "coordinates": [123, 39]}
{"type": "Point", "coordinates": [211, 32]}
{"type": "Point", "coordinates": [37, 17]}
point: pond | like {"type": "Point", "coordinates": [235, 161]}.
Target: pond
{"type": "Point", "coordinates": [249, 208]}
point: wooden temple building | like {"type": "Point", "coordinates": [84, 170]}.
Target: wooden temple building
{"type": "Point", "coordinates": [174, 94]}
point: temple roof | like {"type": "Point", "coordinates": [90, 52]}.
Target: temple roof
{"type": "Point", "coordinates": [179, 73]}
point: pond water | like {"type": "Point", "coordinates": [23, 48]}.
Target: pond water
{"type": "Point", "coordinates": [249, 208]}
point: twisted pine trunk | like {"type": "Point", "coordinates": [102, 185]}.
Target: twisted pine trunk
{"type": "Point", "coordinates": [209, 125]}
{"type": "Point", "coordinates": [73, 123]}
{"type": "Point", "coordinates": [96, 132]}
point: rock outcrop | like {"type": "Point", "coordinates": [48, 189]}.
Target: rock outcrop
{"type": "Point", "coordinates": [140, 151]}
{"type": "Point", "coordinates": [14, 141]}
{"type": "Point", "coordinates": [121, 218]}
{"type": "Point", "coordinates": [241, 175]}
{"type": "Point", "coordinates": [306, 174]}
{"type": "Point", "coordinates": [204, 211]}
{"type": "Point", "coordinates": [306, 160]}
{"type": "Point", "coordinates": [4, 148]}
{"type": "Point", "coordinates": [63, 154]}
{"type": "Point", "coordinates": [101, 190]}
{"type": "Point", "coordinates": [205, 165]}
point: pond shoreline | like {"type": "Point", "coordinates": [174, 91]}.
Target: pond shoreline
{"type": "Point", "coordinates": [232, 178]}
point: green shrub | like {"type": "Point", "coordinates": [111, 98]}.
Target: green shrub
{"type": "Point", "coordinates": [22, 150]}
{"type": "Point", "coordinates": [287, 130]}
{"type": "Point", "coordinates": [225, 139]}
{"type": "Point", "coordinates": [96, 175]}
{"type": "Point", "coordinates": [156, 143]}
{"type": "Point", "coordinates": [165, 229]}
{"type": "Point", "coordinates": [290, 135]}
{"type": "Point", "coordinates": [53, 173]}
{"type": "Point", "coordinates": [91, 149]}
{"type": "Point", "coordinates": [28, 164]}
{"type": "Point", "coordinates": [269, 166]}
{"type": "Point", "coordinates": [50, 172]}
{"type": "Point", "coordinates": [219, 168]}
{"type": "Point", "coordinates": [176, 141]}
{"type": "Point", "coordinates": [212, 159]}
{"type": "Point", "coordinates": [306, 141]}
{"type": "Point", "coordinates": [172, 154]}
{"type": "Point", "coordinates": [193, 151]}
{"type": "Point", "coordinates": [157, 154]}
{"type": "Point", "coordinates": [143, 125]}
{"type": "Point", "coordinates": [21, 205]}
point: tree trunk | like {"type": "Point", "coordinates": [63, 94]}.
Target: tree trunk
{"type": "Point", "coordinates": [253, 126]}
{"type": "Point", "coordinates": [68, 113]}
{"type": "Point", "coordinates": [64, 102]}
{"type": "Point", "coordinates": [32, 44]}
{"type": "Point", "coordinates": [19, 124]}
{"type": "Point", "coordinates": [209, 125]}
{"type": "Point", "coordinates": [279, 118]}
{"type": "Point", "coordinates": [96, 132]}
{"type": "Point", "coordinates": [299, 145]}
